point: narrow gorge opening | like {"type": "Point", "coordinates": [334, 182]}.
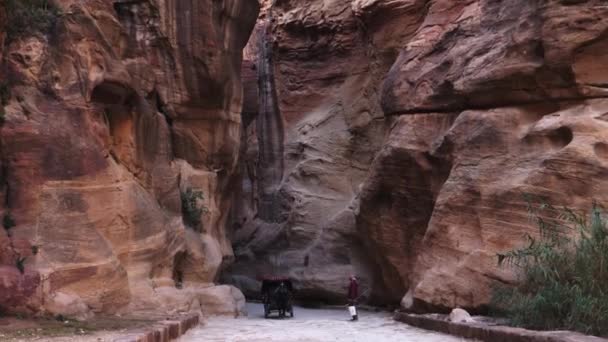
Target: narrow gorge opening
{"type": "Point", "coordinates": [312, 126]}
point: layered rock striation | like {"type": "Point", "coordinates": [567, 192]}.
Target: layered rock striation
{"type": "Point", "coordinates": [111, 119]}
{"type": "Point", "coordinates": [529, 120]}
{"type": "Point", "coordinates": [309, 140]}
{"type": "Point", "coordinates": [409, 131]}
{"type": "Point", "coordinates": [391, 139]}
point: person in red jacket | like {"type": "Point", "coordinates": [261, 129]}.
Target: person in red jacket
{"type": "Point", "coordinates": [353, 296]}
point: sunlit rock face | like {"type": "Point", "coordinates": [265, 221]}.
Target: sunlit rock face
{"type": "Point", "coordinates": [502, 96]}
{"type": "Point", "coordinates": [400, 137]}
{"type": "Point", "coordinates": [123, 107]}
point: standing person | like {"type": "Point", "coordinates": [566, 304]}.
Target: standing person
{"type": "Point", "coordinates": [353, 295]}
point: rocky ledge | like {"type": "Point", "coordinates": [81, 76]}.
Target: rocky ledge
{"type": "Point", "coordinates": [490, 332]}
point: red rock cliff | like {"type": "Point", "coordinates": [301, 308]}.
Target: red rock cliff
{"type": "Point", "coordinates": [110, 118]}
{"type": "Point", "coordinates": [409, 130]}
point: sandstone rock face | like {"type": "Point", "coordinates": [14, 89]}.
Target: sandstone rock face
{"type": "Point", "coordinates": [109, 119]}
{"type": "Point", "coordinates": [511, 74]}
{"type": "Point", "coordinates": [204, 300]}
{"type": "Point", "coordinates": [309, 139]}
{"type": "Point", "coordinates": [392, 139]}
{"type": "Point", "coordinates": [401, 135]}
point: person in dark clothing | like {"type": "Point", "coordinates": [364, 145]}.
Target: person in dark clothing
{"type": "Point", "coordinates": [353, 296]}
{"type": "Point", "coordinates": [282, 298]}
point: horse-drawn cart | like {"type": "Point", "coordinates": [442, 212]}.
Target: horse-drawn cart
{"type": "Point", "coordinates": [277, 294]}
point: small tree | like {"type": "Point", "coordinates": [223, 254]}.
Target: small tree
{"type": "Point", "coordinates": [563, 273]}
{"type": "Point", "coordinates": [192, 210]}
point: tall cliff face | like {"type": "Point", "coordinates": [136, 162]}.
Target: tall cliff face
{"type": "Point", "coordinates": [328, 61]}
{"type": "Point", "coordinates": [523, 82]}
{"type": "Point", "coordinates": [109, 121]}
{"type": "Point", "coordinates": [410, 131]}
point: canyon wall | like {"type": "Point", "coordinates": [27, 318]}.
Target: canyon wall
{"type": "Point", "coordinates": [395, 140]}
{"type": "Point", "coordinates": [120, 138]}
{"type": "Point", "coordinates": [392, 139]}
{"type": "Point", "coordinates": [309, 140]}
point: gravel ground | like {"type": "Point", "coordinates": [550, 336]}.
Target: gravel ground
{"type": "Point", "coordinates": [100, 329]}
{"type": "Point", "coordinates": [312, 325]}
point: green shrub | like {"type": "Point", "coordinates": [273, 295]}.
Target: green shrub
{"type": "Point", "coordinates": [191, 209]}
{"type": "Point", "coordinates": [26, 17]}
{"type": "Point", "coordinates": [5, 93]}
{"type": "Point", "coordinates": [8, 222]}
{"type": "Point", "coordinates": [563, 273]}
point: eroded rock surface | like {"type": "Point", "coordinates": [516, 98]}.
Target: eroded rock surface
{"type": "Point", "coordinates": [310, 138]}
{"type": "Point", "coordinates": [530, 125]}
{"type": "Point", "coordinates": [392, 139]}
{"type": "Point", "coordinates": [409, 131]}
{"type": "Point", "coordinates": [109, 119]}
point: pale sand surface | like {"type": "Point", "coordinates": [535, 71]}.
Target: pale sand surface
{"type": "Point", "coordinates": [312, 325]}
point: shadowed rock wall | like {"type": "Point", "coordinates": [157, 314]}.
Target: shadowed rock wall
{"type": "Point", "coordinates": [328, 60]}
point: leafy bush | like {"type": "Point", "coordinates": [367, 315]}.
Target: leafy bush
{"type": "Point", "coordinates": [191, 209]}
{"type": "Point", "coordinates": [563, 273]}
{"type": "Point", "coordinates": [8, 222]}
{"type": "Point", "coordinates": [26, 17]}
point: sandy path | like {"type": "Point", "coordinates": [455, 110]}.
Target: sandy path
{"type": "Point", "coordinates": [311, 326]}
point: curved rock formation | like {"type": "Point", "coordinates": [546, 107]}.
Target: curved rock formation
{"type": "Point", "coordinates": [392, 139]}
{"type": "Point", "coordinates": [410, 131]}
{"type": "Point", "coordinates": [108, 120]}
{"type": "Point", "coordinates": [518, 76]}
{"type": "Point", "coordinates": [296, 215]}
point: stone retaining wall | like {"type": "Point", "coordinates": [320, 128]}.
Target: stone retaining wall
{"type": "Point", "coordinates": [491, 333]}
{"type": "Point", "coordinates": [164, 331]}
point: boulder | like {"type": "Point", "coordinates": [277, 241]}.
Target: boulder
{"type": "Point", "coordinates": [460, 316]}
{"type": "Point", "coordinates": [205, 300]}
{"type": "Point", "coordinates": [68, 306]}
{"type": "Point", "coordinates": [224, 300]}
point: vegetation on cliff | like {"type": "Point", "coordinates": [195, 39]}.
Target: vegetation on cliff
{"type": "Point", "coordinates": [28, 17]}
{"type": "Point", "coordinates": [564, 273]}
{"type": "Point", "coordinates": [192, 210]}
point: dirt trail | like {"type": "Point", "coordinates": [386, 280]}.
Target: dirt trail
{"type": "Point", "coordinates": [311, 325]}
